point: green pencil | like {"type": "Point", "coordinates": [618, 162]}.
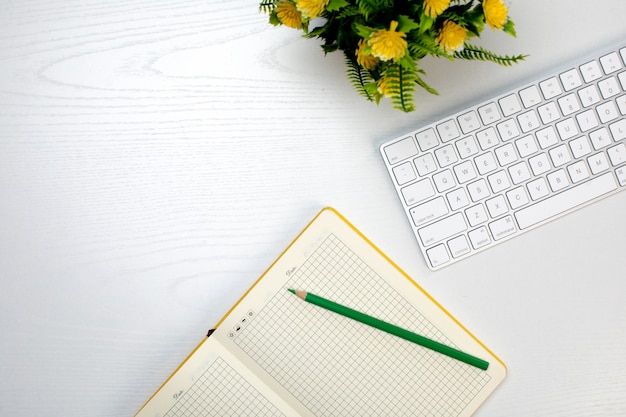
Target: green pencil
{"type": "Point", "coordinates": [391, 329]}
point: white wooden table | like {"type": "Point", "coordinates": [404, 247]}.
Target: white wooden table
{"type": "Point", "coordinates": [156, 157]}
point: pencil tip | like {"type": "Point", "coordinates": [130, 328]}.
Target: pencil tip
{"type": "Point", "coordinates": [291, 291]}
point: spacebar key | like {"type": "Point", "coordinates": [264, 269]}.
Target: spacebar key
{"type": "Point", "coordinates": [566, 200]}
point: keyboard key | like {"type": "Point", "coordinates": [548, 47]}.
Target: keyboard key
{"type": "Point", "coordinates": [469, 122]}
{"type": "Point", "coordinates": [517, 197]}
{"type": "Point", "coordinates": [621, 104]}
{"type": "Point", "coordinates": [400, 150]}
{"type": "Point", "coordinates": [404, 173]}
{"type": "Point", "coordinates": [519, 172]}
{"type": "Point", "coordinates": [564, 201]}
{"type": "Point", "coordinates": [458, 246]}
{"type": "Point", "coordinates": [485, 163]}
{"type": "Point", "coordinates": [429, 211]}
{"type": "Point", "coordinates": [478, 190]}
{"type": "Point", "coordinates": [418, 192]}
{"type": "Point", "coordinates": [587, 120]}
{"type": "Point", "coordinates": [476, 215]}
{"type": "Point", "coordinates": [600, 138]}
{"type": "Point", "coordinates": [479, 237]}
{"type": "Point", "coordinates": [487, 138]}
{"type": "Point", "coordinates": [539, 164]}
{"type": "Point", "coordinates": [609, 87]}
{"type": "Point", "coordinates": [580, 147]}
{"type": "Point", "coordinates": [526, 146]}
{"type": "Point", "coordinates": [437, 255]}
{"type": "Point", "coordinates": [547, 137]}
{"type": "Point", "coordinates": [448, 130]}
{"type": "Point", "coordinates": [530, 96]}
{"type": "Point", "coordinates": [425, 164]}
{"type": "Point", "coordinates": [506, 154]}
{"type": "Point", "coordinates": [427, 139]}
{"type": "Point", "coordinates": [528, 121]}
{"type": "Point", "coordinates": [538, 188]}
{"type": "Point", "coordinates": [598, 163]}
{"type": "Point", "coordinates": [591, 71]}
{"type": "Point", "coordinates": [550, 88]}
{"type": "Point", "coordinates": [618, 130]}
{"type": "Point", "coordinates": [568, 104]}
{"type": "Point", "coordinates": [560, 156]}
{"type": "Point", "coordinates": [508, 130]}
{"type": "Point", "coordinates": [548, 113]}
{"type": "Point", "coordinates": [467, 147]}
{"type": "Point", "coordinates": [558, 180]}
{"type": "Point", "coordinates": [621, 176]}
{"type": "Point", "coordinates": [570, 80]}
{"type": "Point", "coordinates": [502, 228]}
{"type": "Point", "coordinates": [617, 154]}
{"type": "Point", "coordinates": [607, 112]}
{"type": "Point", "coordinates": [444, 181]}
{"type": "Point", "coordinates": [567, 129]}
{"type": "Point", "coordinates": [442, 229]}
{"type": "Point", "coordinates": [589, 96]}
{"type": "Point", "coordinates": [610, 63]}
{"type": "Point", "coordinates": [489, 113]}
{"type": "Point", "coordinates": [497, 206]}
{"type": "Point", "coordinates": [498, 181]}
{"type": "Point", "coordinates": [578, 171]}
{"type": "Point", "coordinates": [465, 172]}
{"type": "Point", "coordinates": [446, 156]}
{"type": "Point", "coordinates": [457, 199]}
{"type": "Point", "coordinates": [510, 105]}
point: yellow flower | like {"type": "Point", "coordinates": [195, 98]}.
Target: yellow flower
{"type": "Point", "coordinates": [289, 15]}
{"type": "Point", "coordinates": [366, 61]}
{"type": "Point", "coordinates": [388, 44]}
{"type": "Point", "coordinates": [451, 37]}
{"type": "Point", "coordinates": [383, 87]}
{"type": "Point", "coordinates": [434, 8]}
{"type": "Point", "coordinates": [495, 13]}
{"type": "Point", "coordinates": [311, 8]}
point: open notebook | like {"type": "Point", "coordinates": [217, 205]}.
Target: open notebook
{"type": "Point", "coordinates": [275, 355]}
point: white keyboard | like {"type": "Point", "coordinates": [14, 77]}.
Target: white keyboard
{"type": "Point", "coordinates": [500, 168]}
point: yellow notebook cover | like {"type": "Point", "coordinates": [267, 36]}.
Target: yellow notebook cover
{"type": "Point", "coordinates": [274, 355]}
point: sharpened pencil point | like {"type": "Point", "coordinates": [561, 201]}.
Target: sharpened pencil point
{"type": "Point", "coordinates": [291, 290]}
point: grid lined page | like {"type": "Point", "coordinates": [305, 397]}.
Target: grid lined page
{"type": "Point", "coordinates": [221, 391]}
{"type": "Point", "coordinates": [336, 366]}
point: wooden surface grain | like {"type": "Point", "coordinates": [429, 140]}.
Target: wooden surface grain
{"type": "Point", "coordinates": [156, 157]}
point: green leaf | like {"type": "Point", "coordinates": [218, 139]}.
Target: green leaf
{"type": "Point", "coordinates": [509, 27]}
{"type": "Point", "coordinates": [362, 30]}
{"type": "Point", "coordinates": [426, 23]}
{"type": "Point", "coordinates": [274, 20]}
{"type": "Point", "coordinates": [406, 24]}
{"type": "Point", "coordinates": [335, 5]}
{"type": "Point", "coordinates": [407, 62]}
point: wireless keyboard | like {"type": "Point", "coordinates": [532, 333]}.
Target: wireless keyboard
{"type": "Point", "coordinates": [507, 165]}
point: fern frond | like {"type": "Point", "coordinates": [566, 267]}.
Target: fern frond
{"type": "Point", "coordinates": [371, 7]}
{"type": "Point", "coordinates": [359, 77]}
{"type": "Point", "coordinates": [348, 12]}
{"type": "Point", "coordinates": [480, 54]}
{"type": "Point", "coordinates": [399, 86]}
{"type": "Point", "coordinates": [419, 81]}
{"type": "Point", "coordinates": [421, 46]}
{"type": "Point", "coordinates": [267, 6]}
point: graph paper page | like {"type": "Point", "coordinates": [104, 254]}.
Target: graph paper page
{"type": "Point", "coordinates": [212, 383]}
{"type": "Point", "coordinates": [329, 365]}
